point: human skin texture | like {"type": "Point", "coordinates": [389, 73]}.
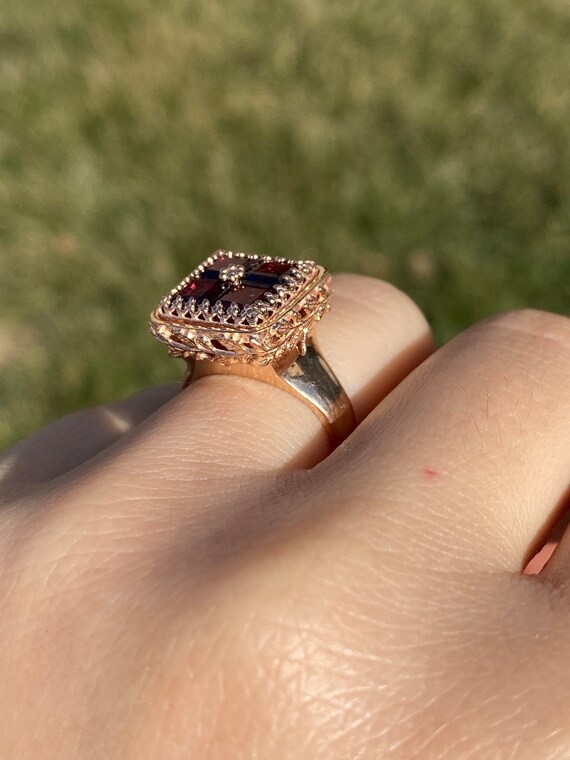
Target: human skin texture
{"type": "Point", "coordinates": [196, 575]}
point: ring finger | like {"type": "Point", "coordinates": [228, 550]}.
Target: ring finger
{"type": "Point", "coordinates": [224, 425]}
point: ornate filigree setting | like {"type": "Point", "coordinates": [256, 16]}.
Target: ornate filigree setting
{"type": "Point", "coordinates": [242, 307]}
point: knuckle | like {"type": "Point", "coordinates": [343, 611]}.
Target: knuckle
{"type": "Point", "coordinates": [536, 338]}
{"type": "Point", "coordinates": [381, 298]}
{"type": "Point", "coordinates": [400, 302]}
{"type": "Point", "coordinates": [534, 325]}
{"type": "Point", "coordinates": [506, 385]}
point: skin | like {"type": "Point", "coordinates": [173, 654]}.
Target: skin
{"type": "Point", "coordinates": [195, 575]}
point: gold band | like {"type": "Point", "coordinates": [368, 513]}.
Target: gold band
{"type": "Point", "coordinates": [305, 375]}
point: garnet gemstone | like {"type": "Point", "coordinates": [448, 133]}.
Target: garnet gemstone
{"type": "Point", "coordinates": [212, 271]}
{"type": "Point", "coordinates": [273, 267]}
{"type": "Point", "coordinates": [267, 274]}
{"type": "Point", "coordinates": [203, 289]}
{"type": "Point", "coordinates": [259, 279]}
{"type": "Point", "coordinates": [242, 296]}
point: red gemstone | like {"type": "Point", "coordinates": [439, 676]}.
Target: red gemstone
{"type": "Point", "coordinates": [259, 279]}
{"type": "Point", "coordinates": [273, 267]}
{"type": "Point", "coordinates": [202, 289]}
{"type": "Point", "coordinates": [267, 274]}
{"type": "Point", "coordinates": [212, 271]}
{"type": "Point", "coordinates": [242, 296]}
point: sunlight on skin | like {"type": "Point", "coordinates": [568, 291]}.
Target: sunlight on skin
{"type": "Point", "coordinates": [115, 421]}
{"type": "Point", "coordinates": [6, 464]}
{"type": "Point", "coordinates": [371, 606]}
{"type": "Point", "coordinates": [118, 423]}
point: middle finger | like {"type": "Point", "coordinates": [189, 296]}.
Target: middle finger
{"type": "Point", "coordinates": [469, 459]}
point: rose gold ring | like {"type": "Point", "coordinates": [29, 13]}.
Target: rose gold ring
{"type": "Point", "coordinates": [254, 316]}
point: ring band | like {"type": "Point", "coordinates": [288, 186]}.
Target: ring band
{"type": "Point", "coordinates": [254, 316]}
{"type": "Point", "coordinates": [306, 376]}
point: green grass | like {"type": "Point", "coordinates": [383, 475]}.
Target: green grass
{"type": "Point", "coordinates": [423, 141]}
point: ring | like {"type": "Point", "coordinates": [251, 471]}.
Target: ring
{"type": "Point", "coordinates": [254, 316]}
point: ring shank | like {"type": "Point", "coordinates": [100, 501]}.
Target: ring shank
{"type": "Point", "coordinates": [307, 376]}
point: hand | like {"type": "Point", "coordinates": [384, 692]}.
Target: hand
{"type": "Point", "coordinates": [191, 576]}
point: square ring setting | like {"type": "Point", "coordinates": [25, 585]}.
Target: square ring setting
{"type": "Point", "coordinates": [238, 307]}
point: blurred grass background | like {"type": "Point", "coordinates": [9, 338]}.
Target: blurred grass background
{"type": "Point", "coordinates": [423, 141]}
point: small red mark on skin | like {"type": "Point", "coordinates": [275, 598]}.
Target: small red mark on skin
{"type": "Point", "coordinates": [430, 474]}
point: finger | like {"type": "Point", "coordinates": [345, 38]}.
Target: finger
{"type": "Point", "coordinates": [470, 456]}
{"type": "Point", "coordinates": [70, 441]}
{"type": "Point", "coordinates": [223, 425]}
